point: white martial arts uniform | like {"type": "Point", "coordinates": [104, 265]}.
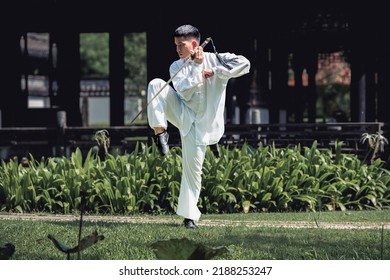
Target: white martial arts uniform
{"type": "Point", "coordinates": [196, 107]}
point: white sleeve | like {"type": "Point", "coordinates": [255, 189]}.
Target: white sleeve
{"type": "Point", "coordinates": [240, 66]}
{"type": "Point", "coordinates": [188, 80]}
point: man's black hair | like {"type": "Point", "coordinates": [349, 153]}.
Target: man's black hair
{"type": "Point", "coordinates": [187, 30]}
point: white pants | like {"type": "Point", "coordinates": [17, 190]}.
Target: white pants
{"type": "Point", "coordinates": [167, 106]}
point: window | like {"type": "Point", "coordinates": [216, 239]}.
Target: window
{"type": "Point", "coordinates": [39, 57]}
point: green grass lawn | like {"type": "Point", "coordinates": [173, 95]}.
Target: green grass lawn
{"type": "Point", "coordinates": [132, 241]}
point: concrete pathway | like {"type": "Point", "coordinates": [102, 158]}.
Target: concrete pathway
{"type": "Point", "coordinates": [202, 222]}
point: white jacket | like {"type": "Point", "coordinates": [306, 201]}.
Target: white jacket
{"type": "Point", "coordinates": [204, 99]}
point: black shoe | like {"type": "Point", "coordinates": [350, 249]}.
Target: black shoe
{"type": "Point", "coordinates": [188, 223]}
{"type": "Point", "coordinates": [162, 142]}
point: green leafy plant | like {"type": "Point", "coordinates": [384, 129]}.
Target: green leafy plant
{"type": "Point", "coordinates": [186, 249]}
{"type": "Point", "coordinates": [6, 251]}
{"type": "Point", "coordinates": [268, 179]}
{"type": "Point", "coordinates": [83, 244]}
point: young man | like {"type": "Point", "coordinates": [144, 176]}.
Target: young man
{"type": "Point", "coordinates": [195, 105]}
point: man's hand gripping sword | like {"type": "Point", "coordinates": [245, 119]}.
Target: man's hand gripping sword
{"type": "Point", "coordinates": [169, 81]}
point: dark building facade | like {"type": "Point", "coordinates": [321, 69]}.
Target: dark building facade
{"type": "Point", "coordinates": [280, 30]}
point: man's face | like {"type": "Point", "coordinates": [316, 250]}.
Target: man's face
{"type": "Point", "coordinates": [184, 46]}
